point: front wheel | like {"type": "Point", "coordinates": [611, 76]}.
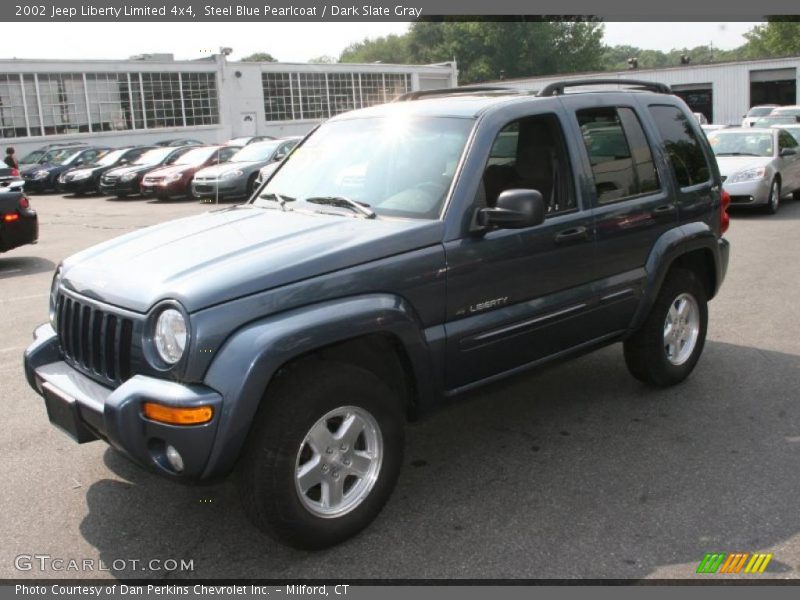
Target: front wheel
{"type": "Point", "coordinates": [323, 456]}
{"type": "Point", "coordinates": [774, 200]}
{"type": "Point", "coordinates": [666, 348]}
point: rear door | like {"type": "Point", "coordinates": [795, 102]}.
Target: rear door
{"type": "Point", "coordinates": [631, 201]}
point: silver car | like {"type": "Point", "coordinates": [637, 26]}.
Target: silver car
{"type": "Point", "coordinates": [758, 165]}
{"type": "Point", "coordinates": [237, 177]}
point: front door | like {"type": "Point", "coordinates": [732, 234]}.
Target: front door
{"type": "Point", "coordinates": [515, 296]}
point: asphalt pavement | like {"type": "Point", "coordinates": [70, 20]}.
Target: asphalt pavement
{"type": "Point", "coordinates": [573, 471]}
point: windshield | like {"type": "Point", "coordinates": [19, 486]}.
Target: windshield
{"type": "Point", "coordinates": [32, 157]}
{"type": "Point", "coordinates": [773, 120]}
{"type": "Point", "coordinates": [110, 158]}
{"type": "Point", "coordinates": [197, 156]}
{"type": "Point", "coordinates": [154, 157]}
{"type": "Point", "coordinates": [741, 143]}
{"type": "Point", "coordinates": [255, 152]}
{"type": "Point", "coordinates": [794, 132]}
{"type": "Point", "coordinates": [398, 165]}
{"type": "Point", "coordinates": [760, 111]}
{"type": "Point", "coordinates": [59, 156]}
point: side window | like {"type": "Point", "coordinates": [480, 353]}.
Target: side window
{"type": "Point", "coordinates": [622, 163]}
{"type": "Point", "coordinates": [786, 141]}
{"type": "Point", "coordinates": [226, 153]}
{"type": "Point", "coordinates": [687, 157]}
{"type": "Point", "coordinates": [530, 153]}
{"type": "Point", "coordinates": [89, 156]}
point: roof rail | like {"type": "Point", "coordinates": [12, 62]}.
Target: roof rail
{"type": "Point", "coordinates": [408, 96]}
{"type": "Point", "coordinates": [557, 88]}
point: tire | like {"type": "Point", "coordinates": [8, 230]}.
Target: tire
{"type": "Point", "coordinates": [647, 353]}
{"type": "Point", "coordinates": [251, 184]}
{"type": "Point", "coordinates": [278, 449]}
{"type": "Point", "coordinates": [774, 200]}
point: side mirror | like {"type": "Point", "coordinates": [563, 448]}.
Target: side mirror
{"type": "Point", "coordinates": [788, 152]}
{"type": "Point", "coordinates": [515, 209]}
{"type": "Point", "coordinates": [279, 157]}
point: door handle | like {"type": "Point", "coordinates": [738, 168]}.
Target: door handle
{"type": "Point", "coordinates": [573, 234]}
{"type": "Point", "coordinates": [666, 208]}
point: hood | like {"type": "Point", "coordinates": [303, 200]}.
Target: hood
{"type": "Point", "coordinates": [131, 169]}
{"type": "Point", "coordinates": [218, 256]}
{"type": "Point", "coordinates": [728, 165]}
{"type": "Point", "coordinates": [29, 169]}
{"type": "Point", "coordinates": [218, 170]}
{"type": "Point", "coordinates": [170, 170]}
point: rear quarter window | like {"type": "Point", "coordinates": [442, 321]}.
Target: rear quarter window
{"type": "Point", "coordinates": [681, 144]}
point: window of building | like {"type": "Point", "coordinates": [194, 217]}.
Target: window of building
{"type": "Point", "coordinates": [12, 107]}
{"type": "Point", "coordinates": [63, 103]}
{"type": "Point", "coordinates": [622, 163]}
{"type": "Point", "coordinates": [687, 157]}
{"type": "Point", "coordinates": [91, 102]}
{"type": "Point", "coordinates": [295, 96]}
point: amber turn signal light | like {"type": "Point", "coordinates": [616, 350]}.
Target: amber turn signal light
{"type": "Point", "coordinates": [177, 416]}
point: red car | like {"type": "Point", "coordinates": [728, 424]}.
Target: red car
{"type": "Point", "coordinates": [174, 181]}
{"type": "Point", "coordinates": [19, 224]}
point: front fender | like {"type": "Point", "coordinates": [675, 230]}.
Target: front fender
{"type": "Point", "coordinates": [249, 358]}
{"type": "Point", "coordinates": [668, 248]}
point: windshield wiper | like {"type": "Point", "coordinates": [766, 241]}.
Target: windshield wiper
{"type": "Point", "coordinates": [276, 197]}
{"type": "Point", "coordinates": [343, 202]}
{"type": "Point", "coordinates": [736, 154]}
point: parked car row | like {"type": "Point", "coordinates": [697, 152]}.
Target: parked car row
{"type": "Point", "coordinates": [19, 224]}
{"type": "Point", "coordinates": [765, 115]}
{"type": "Point", "coordinates": [167, 169]}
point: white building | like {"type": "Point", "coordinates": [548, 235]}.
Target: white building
{"type": "Point", "coordinates": [723, 91]}
{"type": "Point", "coordinates": [153, 97]}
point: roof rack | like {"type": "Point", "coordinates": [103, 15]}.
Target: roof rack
{"type": "Point", "coordinates": [408, 96]}
{"type": "Point", "coordinates": [557, 88]}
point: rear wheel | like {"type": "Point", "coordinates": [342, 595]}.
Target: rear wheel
{"type": "Point", "coordinates": [666, 348]}
{"type": "Point", "coordinates": [774, 201]}
{"type": "Point", "coordinates": [323, 456]}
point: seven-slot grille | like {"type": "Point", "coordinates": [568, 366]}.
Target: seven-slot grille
{"type": "Point", "coordinates": [94, 341]}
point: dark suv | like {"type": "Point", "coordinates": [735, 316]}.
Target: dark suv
{"type": "Point", "coordinates": [401, 255]}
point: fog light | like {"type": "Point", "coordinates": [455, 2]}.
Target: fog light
{"type": "Point", "coordinates": [175, 459]}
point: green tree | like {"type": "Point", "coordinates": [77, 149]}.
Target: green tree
{"type": "Point", "coordinates": [260, 57]}
{"type": "Point", "coordinates": [323, 60]}
{"type": "Point", "coordinates": [487, 50]}
{"type": "Point", "coordinates": [780, 36]}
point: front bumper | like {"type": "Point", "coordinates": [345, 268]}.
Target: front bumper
{"type": "Point", "coordinates": [87, 410]}
{"type": "Point", "coordinates": [219, 188]}
{"type": "Point", "coordinates": [160, 190]}
{"type": "Point", "coordinates": [119, 188]}
{"type": "Point", "coordinates": [80, 186]}
{"type": "Point", "coordinates": [36, 185]}
{"type": "Point", "coordinates": [755, 192]}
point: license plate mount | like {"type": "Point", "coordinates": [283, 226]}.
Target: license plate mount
{"type": "Point", "coordinates": [62, 410]}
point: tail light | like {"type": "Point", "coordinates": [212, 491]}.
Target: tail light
{"type": "Point", "coordinates": [15, 172]}
{"type": "Point", "coordinates": [724, 217]}
{"type": "Point", "coordinates": [24, 202]}
{"type": "Point", "coordinates": [10, 217]}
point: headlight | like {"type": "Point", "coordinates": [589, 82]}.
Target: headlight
{"type": "Point", "coordinates": [41, 174]}
{"type": "Point", "coordinates": [128, 176]}
{"type": "Point", "coordinates": [54, 295]}
{"type": "Point", "coordinates": [232, 174]}
{"type": "Point", "coordinates": [748, 175]}
{"type": "Point", "coordinates": [63, 177]}
{"type": "Point", "coordinates": [81, 175]}
{"type": "Point", "coordinates": [172, 178]}
{"type": "Point", "coordinates": [170, 335]}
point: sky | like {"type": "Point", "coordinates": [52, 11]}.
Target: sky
{"type": "Point", "coordinates": [290, 42]}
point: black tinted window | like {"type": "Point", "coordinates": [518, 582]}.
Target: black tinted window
{"type": "Point", "coordinates": [682, 146]}
{"type": "Point", "coordinates": [622, 163]}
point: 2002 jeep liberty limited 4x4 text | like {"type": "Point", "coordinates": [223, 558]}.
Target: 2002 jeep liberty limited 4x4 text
{"type": "Point", "coordinates": [402, 254]}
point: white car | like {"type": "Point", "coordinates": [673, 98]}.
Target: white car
{"type": "Point", "coordinates": [755, 112]}
{"type": "Point", "coordinates": [758, 165]}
